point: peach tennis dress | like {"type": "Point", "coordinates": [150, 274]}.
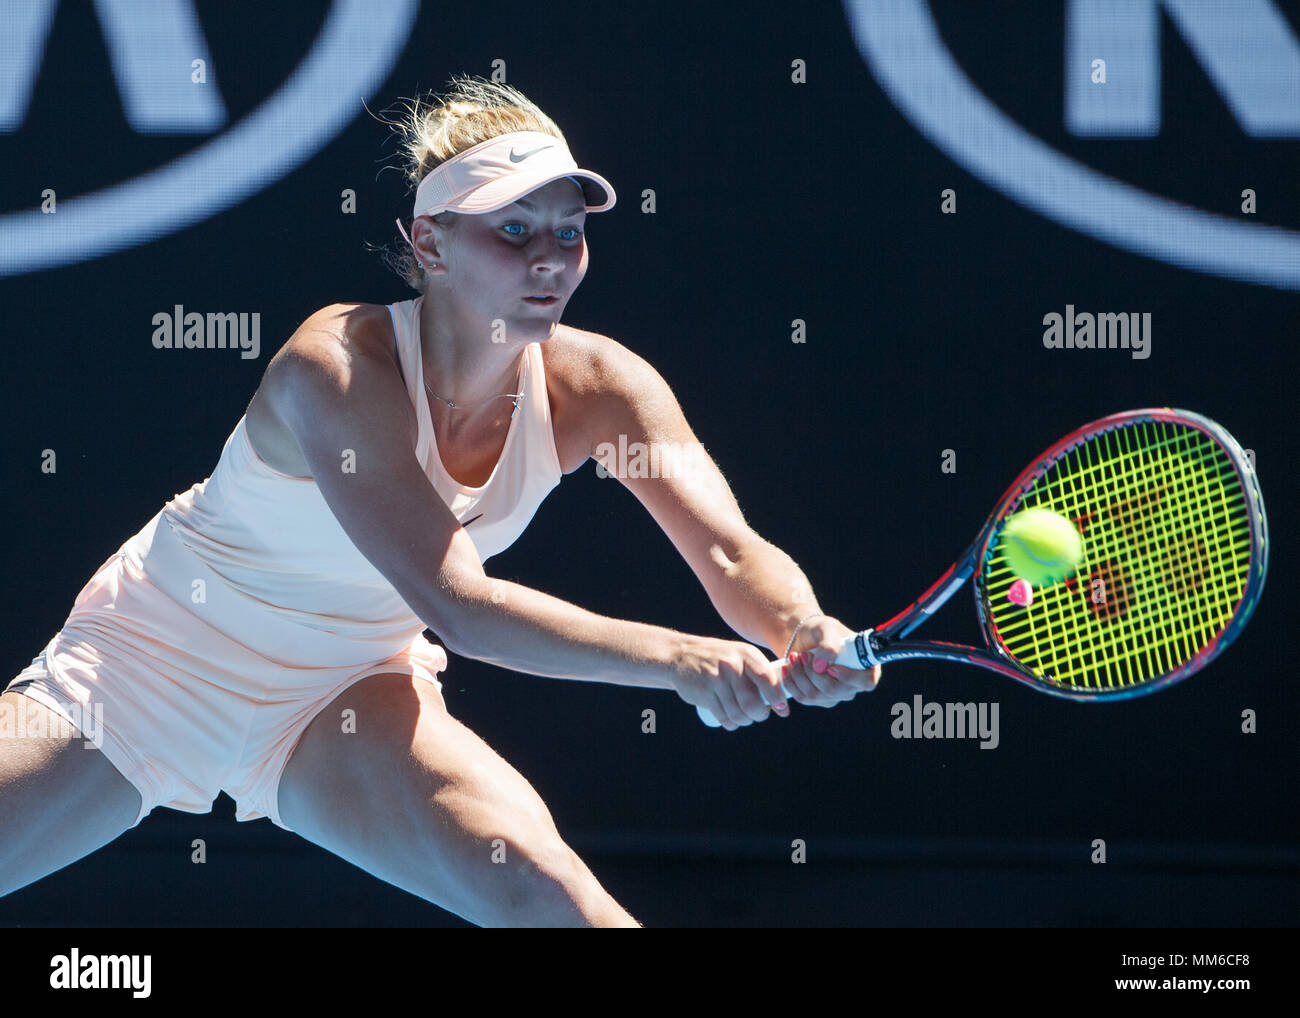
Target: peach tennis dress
{"type": "Point", "coordinates": [213, 637]}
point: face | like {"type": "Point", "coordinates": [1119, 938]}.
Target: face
{"type": "Point", "coordinates": [489, 265]}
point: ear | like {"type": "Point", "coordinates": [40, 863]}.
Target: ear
{"type": "Point", "coordinates": [427, 238]}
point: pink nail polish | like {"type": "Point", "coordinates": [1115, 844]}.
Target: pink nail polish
{"type": "Point", "coordinates": [819, 666]}
{"type": "Point", "coordinates": [832, 672]}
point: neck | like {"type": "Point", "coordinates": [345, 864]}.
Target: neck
{"type": "Point", "coordinates": [463, 365]}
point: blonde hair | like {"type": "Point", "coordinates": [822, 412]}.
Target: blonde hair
{"type": "Point", "coordinates": [434, 128]}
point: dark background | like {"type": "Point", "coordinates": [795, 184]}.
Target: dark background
{"type": "Point", "coordinates": [776, 201]}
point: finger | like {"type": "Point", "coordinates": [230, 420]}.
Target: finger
{"type": "Point", "coordinates": [747, 683]}
{"type": "Point", "coordinates": [781, 697]}
{"type": "Point", "coordinates": [733, 715]}
{"type": "Point", "coordinates": [720, 713]}
{"type": "Point", "coordinates": [769, 678]}
{"type": "Point", "coordinates": [716, 704]}
{"type": "Point", "coordinates": [840, 684]}
{"type": "Point", "coordinates": [750, 701]}
{"type": "Point", "coordinates": [825, 684]}
{"type": "Point", "coordinates": [803, 685]}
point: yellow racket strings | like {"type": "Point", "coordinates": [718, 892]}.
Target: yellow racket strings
{"type": "Point", "coordinates": [1166, 558]}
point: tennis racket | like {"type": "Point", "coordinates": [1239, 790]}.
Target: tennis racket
{"type": "Point", "coordinates": [1175, 551]}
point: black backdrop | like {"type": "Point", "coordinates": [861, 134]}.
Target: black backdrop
{"type": "Point", "coordinates": [776, 201]}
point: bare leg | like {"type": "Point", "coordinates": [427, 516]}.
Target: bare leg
{"type": "Point", "coordinates": [417, 799]}
{"type": "Point", "coordinates": [59, 801]}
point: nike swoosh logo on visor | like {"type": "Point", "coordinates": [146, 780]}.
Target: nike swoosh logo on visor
{"type": "Point", "coordinates": [519, 159]}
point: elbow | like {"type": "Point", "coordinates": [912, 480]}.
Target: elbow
{"type": "Point", "coordinates": [456, 612]}
{"type": "Point", "coordinates": [730, 554]}
{"type": "Point", "coordinates": [455, 633]}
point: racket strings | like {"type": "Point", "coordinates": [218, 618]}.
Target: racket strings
{"type": "Point", "coordinates": [1154, 564]}
{"type": "Point", "coordinates": [1167, 546]}
{"type": "Point", "coordinates": [1122, 583]}
{"type": "Point", "coordinates": [1199, 503]}
{"type": "Point", "coordinates": [1153, 652]}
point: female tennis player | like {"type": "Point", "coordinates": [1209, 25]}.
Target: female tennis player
{"type": "Point", "coordinates": [262, 635]}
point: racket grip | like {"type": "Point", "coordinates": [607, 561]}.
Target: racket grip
{"type": "Point", "coordinates": [848, 656]}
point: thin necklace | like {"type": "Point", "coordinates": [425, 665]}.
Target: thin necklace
{"type": "Point", "coordinates": [516, 396]}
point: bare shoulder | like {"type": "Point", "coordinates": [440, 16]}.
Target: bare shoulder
{"type": "Point", "coordinates": [591, 363]}
{"type": "Point", "coordinates": [592, 381]}
{"type": "Point", "coordinates": [339, 333]}
{"type": "Point", "coordinates": [602, 377]}
{"type": "Point", "coordinates": [338, 340]}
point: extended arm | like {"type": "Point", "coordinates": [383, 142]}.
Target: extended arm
{"type": "Point", "coordinates": [641, 435]}
{"type": "Point", "coordinates": [756, 587]}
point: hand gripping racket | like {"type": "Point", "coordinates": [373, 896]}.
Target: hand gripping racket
{"type": "Point", "coordinates": [1175, 550]}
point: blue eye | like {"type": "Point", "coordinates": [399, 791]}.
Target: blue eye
{"type": "Point", "coordinates": [574, 233]}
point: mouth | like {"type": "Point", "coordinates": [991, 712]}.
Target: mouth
{"type": "Point", "coordinates": [543, 300]}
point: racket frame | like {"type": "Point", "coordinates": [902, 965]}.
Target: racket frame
{"type": "Point", "coordinates": [887, 642]}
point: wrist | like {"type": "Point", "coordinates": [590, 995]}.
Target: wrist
{"type": "Point", "coordinates": [794, 622]}
{"type": "Point", "coordinates": [679, 649]}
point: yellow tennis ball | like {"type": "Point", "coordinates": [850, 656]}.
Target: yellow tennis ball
{"type": "Point", "coordinates": [1040, 546]}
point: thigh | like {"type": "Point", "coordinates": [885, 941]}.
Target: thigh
{"type": "Point", "coordinates": [59, 800]}
{"type": "Point", "coordinates": [417, 799]}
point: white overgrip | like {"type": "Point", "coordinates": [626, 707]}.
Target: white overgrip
{"type": "Point", "coordinates": [848, 656]}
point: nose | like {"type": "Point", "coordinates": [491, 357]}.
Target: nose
{"type": "Point", "coordinates": [545, 249]}
{"type": "Point", "coordinates": [546, 262]}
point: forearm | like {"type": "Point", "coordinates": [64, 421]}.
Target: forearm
{"type": "Point", "coordinates": [526, 630]}
{"type": "Point", "coordinates": [761, 593]}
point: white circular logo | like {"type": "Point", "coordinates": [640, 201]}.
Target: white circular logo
{"type": "Point", "coordinates": [1254, 61]}
{"type": "Point", "coordinates": [357, 47]}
